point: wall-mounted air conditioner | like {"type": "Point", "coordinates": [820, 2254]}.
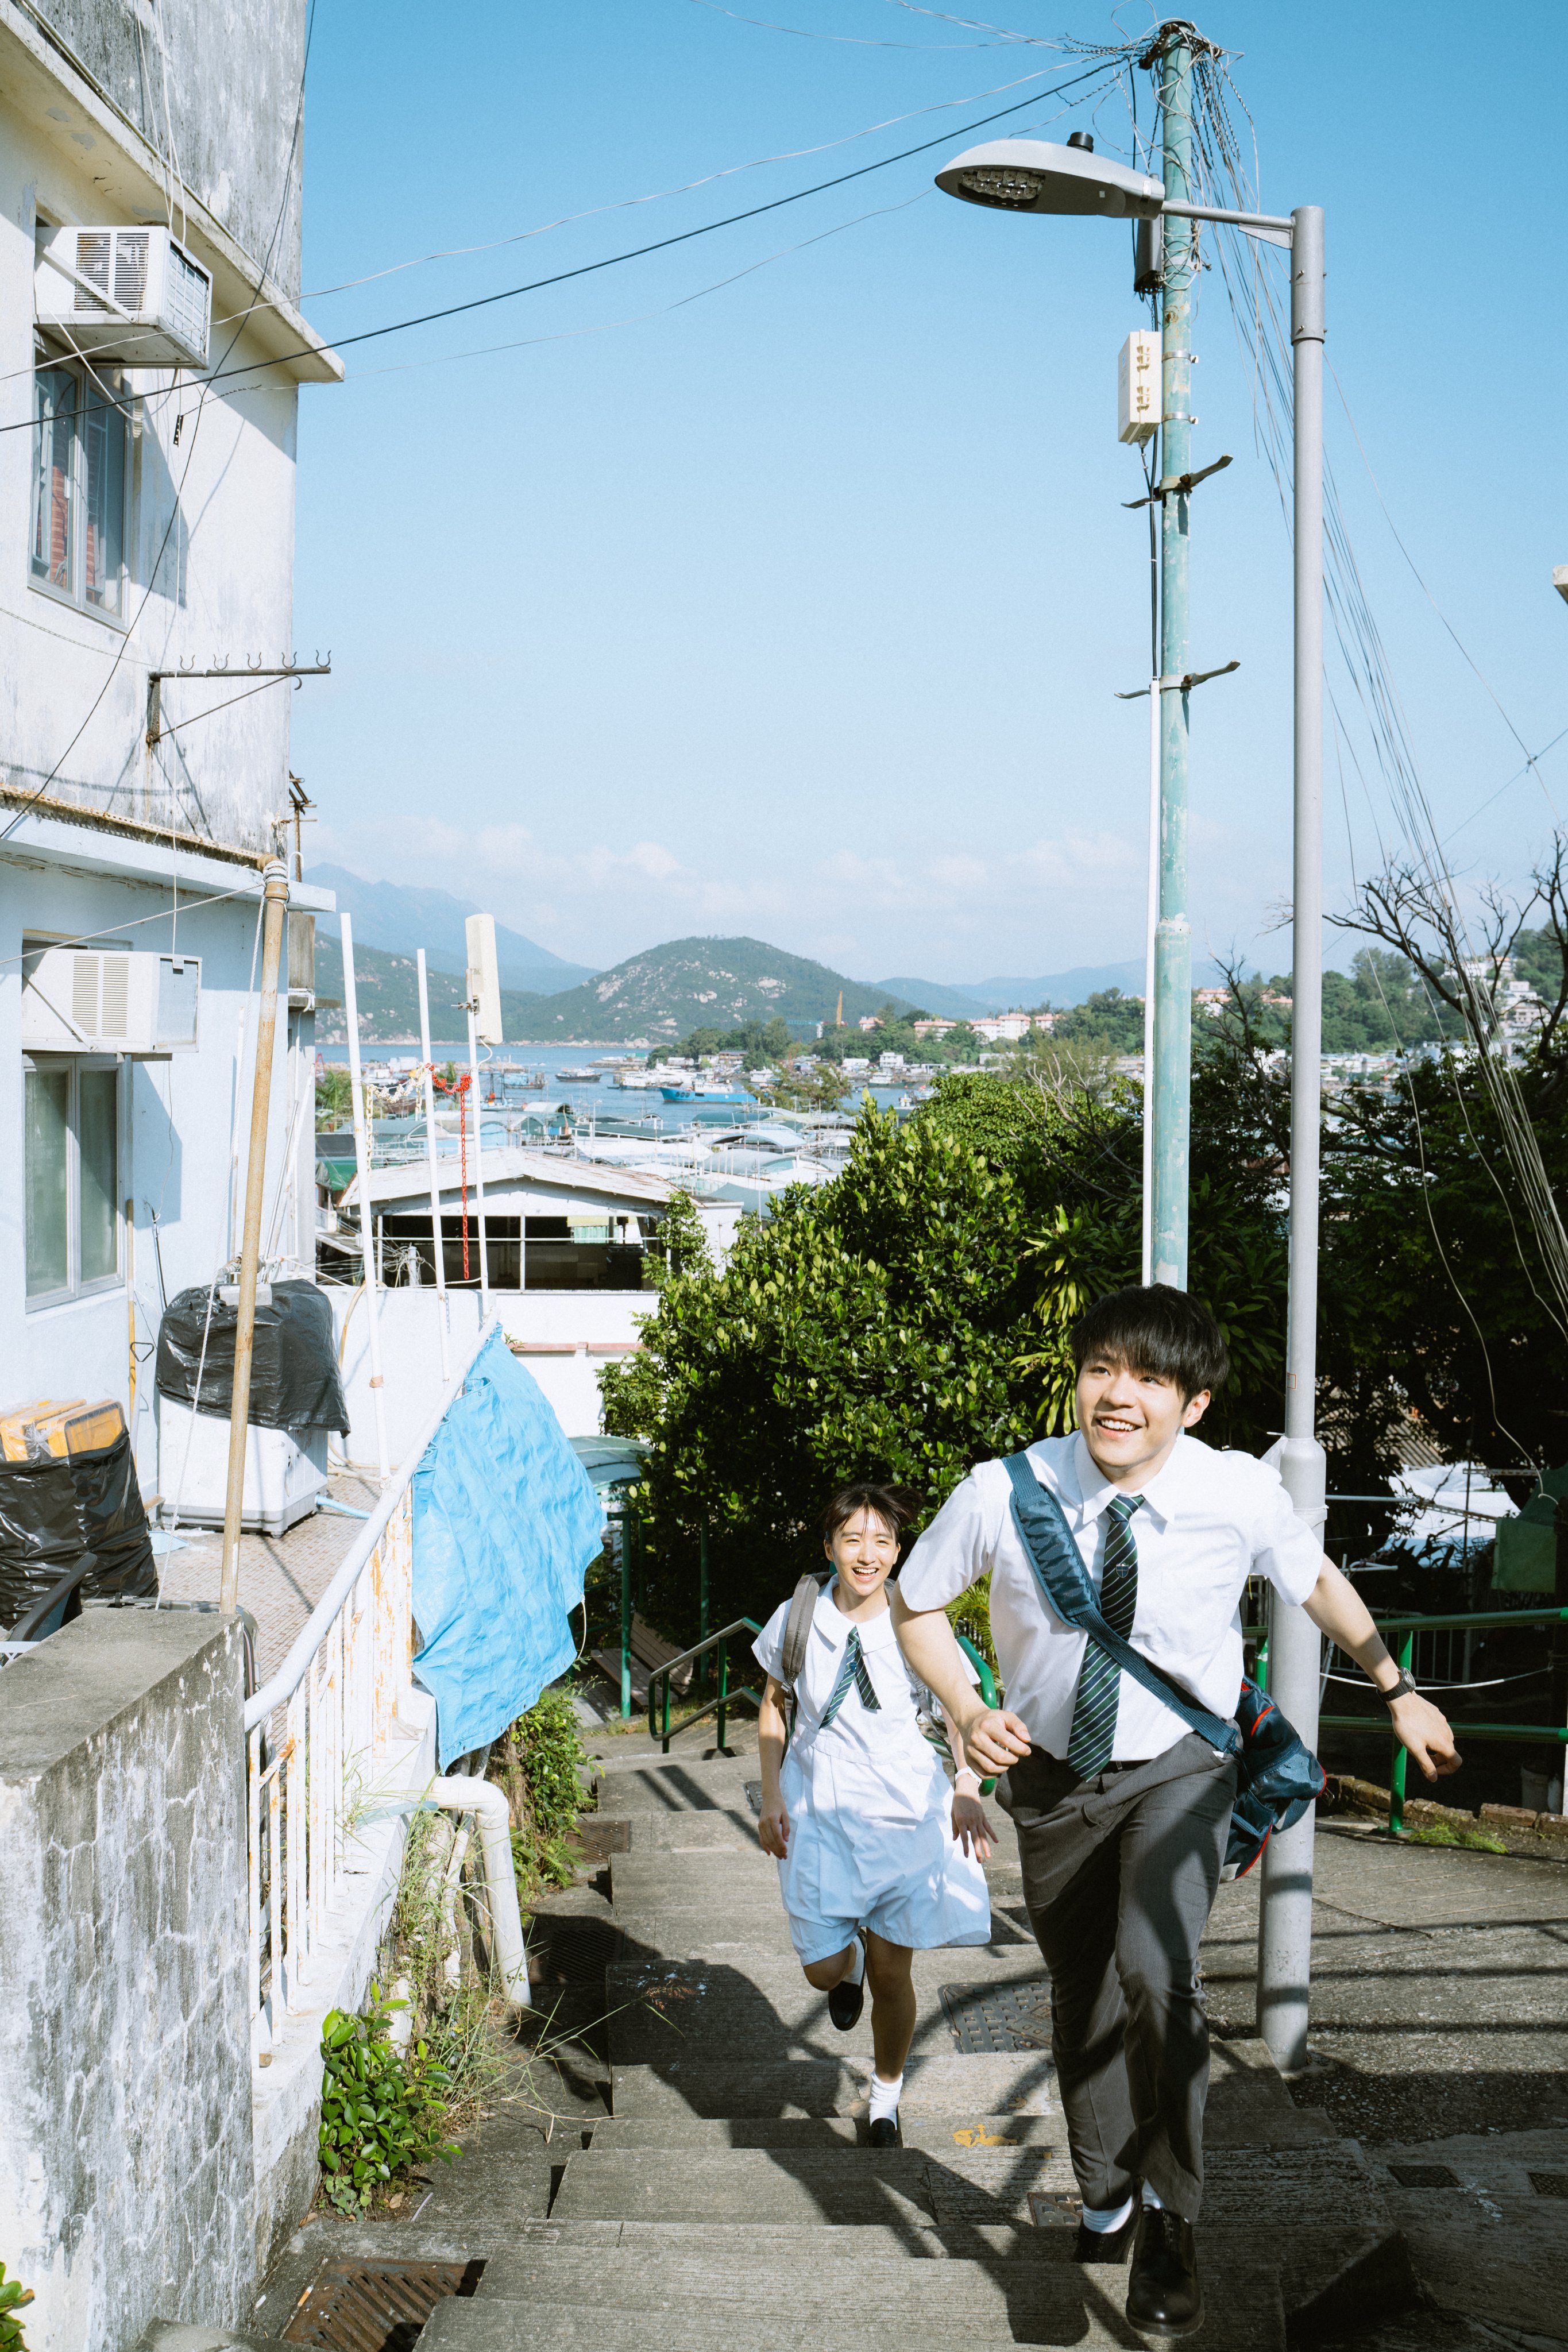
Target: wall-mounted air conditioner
{"type": "Point", "coordinates": [129, 294]}
{"type": "Point", "coordinates": [109, 1000]}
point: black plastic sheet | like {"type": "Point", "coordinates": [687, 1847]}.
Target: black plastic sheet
{"type": "Point", "coordinates": [53, 1512]}
{"type": "Point", "coordinates": [294, 1381]}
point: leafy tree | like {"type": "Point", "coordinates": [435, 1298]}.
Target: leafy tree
{"type": "Point", "coordinates": [334, 1096]}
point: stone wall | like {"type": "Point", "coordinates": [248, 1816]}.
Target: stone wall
{"type": "Point", "coordinates": [126, 2169]}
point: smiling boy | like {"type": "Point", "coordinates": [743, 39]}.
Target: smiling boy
{"type": "Point", "coordinates": [1121, 1813]}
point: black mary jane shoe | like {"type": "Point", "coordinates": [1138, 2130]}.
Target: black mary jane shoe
{"type": "Point", "coordinates": [885, 2132]}
{"type": "Point", "coordinates": [1164, 2294]}
{"type": "Point", "coordinates": [1105, 2245]}
{"type": "Point", "coordinates": [846, 2001]}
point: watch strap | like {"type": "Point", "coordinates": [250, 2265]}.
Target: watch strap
{"type": "Point", "coordinates": [1403, 1688]}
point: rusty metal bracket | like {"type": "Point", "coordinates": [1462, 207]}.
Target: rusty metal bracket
{"type": "Point", "coordinates": [1179, 485]}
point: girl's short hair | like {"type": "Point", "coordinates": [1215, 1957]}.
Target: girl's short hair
{"type": "Point", "coordinates": [894, 1506]}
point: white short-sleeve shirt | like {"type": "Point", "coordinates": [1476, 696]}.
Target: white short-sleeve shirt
{"type": "Point", "coordinates": [1207, 1522]}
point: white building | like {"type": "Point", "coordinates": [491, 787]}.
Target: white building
{"type": "Point", "coordinates": [146, 525]}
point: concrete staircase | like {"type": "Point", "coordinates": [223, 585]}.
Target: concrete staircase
{"type": "Point", "coordinates": [705, 2181]}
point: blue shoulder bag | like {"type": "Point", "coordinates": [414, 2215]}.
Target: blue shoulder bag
{"type": "Point", "coordinates": [1277, 1775]}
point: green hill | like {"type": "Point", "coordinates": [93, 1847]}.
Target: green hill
{"type": "Point", "coordinates": [389, 990]}
{"type": "Point", "coordinates": [691, 983]}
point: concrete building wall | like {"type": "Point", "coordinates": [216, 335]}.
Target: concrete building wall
{"type": "Point", "coordinates": [126, 2162]}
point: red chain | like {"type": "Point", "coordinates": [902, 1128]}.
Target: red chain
{"type": "Point", "coordinates": [458, 1087]}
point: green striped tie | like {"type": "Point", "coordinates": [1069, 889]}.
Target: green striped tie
{"type": "Point", "coordinates": [853, 1670]}
{"type": "Point", "coordinates": [1093, 1733]}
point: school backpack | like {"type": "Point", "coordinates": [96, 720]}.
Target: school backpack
{"type": "Point", "coordinates": [1277, 1776]}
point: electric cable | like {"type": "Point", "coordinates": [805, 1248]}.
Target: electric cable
{"type": "Point", "coordinates": [851, 40]}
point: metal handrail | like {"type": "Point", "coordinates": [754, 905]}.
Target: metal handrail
{"type": "Point", "coordinates": [719, 1704]}
{"type": "Point", "coordinates": [1407, 1629]}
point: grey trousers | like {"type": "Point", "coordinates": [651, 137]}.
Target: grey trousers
{"type": "Point", "coordinates": [1120, 1874]}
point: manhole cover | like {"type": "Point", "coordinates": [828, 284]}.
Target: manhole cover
{"type": "Point", "coordinates": [999, 2018]}
{"type": "Point", "coordinates": [375, 2306]}
{"type": "Point", "coordinates": [1425, 2175]}
{"type": "Point", "coordinates": [1550, 2184]}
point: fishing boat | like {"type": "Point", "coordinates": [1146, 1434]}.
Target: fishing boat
{"type": "Point", "coordinates": [706, 1090]}
{"type": "Point", "coordinates": [580, 1077]}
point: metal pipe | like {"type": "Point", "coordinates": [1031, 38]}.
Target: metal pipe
{"type": "Point", "coordinates": [1172, 936]}
{"type": "Point", "coordinates": [461, 1793]}
{"type": "Point", "coordinates": [1151, 919]}
{"type": "Point", "coordinates": [1285, 1920]}
{"type": "Point", "coordinates": [275, 903]}
{"type": "Point", "coordinates": [479, 1162]}
{"type": "Point", "coordinates": [361, 1163]}
{"type": "Point", "coordinates": [442, 1316]}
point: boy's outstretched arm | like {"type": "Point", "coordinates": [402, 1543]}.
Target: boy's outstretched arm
{"type": "Point", "coordinates": [992, 1737]}
{"type": "Point", "coordinates": [1337, 1609]}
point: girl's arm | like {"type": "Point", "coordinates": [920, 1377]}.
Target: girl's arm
{"type": "Point", "coordinates": [772, 1826]}
{"type": "Point", "coordinates": [971, 1826]}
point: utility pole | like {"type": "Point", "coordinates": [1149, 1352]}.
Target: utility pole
{"type": "Point", "coordinates": [1285, 1926]}
{"type": "Point", "coordinates": [1171, 1093]}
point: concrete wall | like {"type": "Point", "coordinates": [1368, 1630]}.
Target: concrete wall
{"type": "Point", "coordinates": [126, 2169]}
{"type": "Point", "coordinates": [224, 77]}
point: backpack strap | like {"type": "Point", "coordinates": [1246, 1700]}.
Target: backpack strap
{"type": "Point", "coordinates": [797, 1628]}
{"type": "Point", "coordinates": [1058, 1568]}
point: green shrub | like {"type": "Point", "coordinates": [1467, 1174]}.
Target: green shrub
{"type": "Point", "coordinates": [543, 1766]}
{"type": "Point", "coordinates": [14, 2297]}
{"type": "Point", "coordinates": [383, 2109]}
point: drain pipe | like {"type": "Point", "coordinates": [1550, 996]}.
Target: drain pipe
{"type": "Point", "coordinates": [460, 1793]}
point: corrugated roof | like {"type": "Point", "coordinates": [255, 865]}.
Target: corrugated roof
{"type": "Point", "coordinates": [517, 1167]}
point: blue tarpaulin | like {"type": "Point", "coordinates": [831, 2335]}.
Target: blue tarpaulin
{"type": "Point", "coordinates": [505, 1521]}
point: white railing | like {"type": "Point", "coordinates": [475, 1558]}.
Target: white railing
{"type": "Point", "coordinates": [322, 1734]}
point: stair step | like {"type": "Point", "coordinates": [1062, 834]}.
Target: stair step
{"type": "Point", "coordinates": [1082, 2310]}
{"type": "Point", "coordinates": [961, 2088]}
{"type": "Point", "coordinates": [648, 1785]}
{"type": "Point", "coordinates": [724, 1830]}
{"type": "Point", "coordinates": [935, 2135]}
{"type": "Point", "coordinates": [756, 2185]}
{"type": "Point", "coordinates": [185, 2336]}
{"type": "Point", "coordinates": [726, 2006]}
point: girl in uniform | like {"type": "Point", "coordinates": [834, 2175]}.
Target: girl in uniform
{"type": "Point", "coordinates": [878, 1856]}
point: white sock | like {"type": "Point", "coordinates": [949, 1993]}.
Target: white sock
{"type": "Point", "coordinates": [884, 2099]}
{"type": "Point", "coordinates": [1150, 2197]}
{"type": "Point", "coordinates": [855, 1972]}
{"type": "Point", "coordinates": [1102, 2220]}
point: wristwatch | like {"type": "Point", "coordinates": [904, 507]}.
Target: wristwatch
{"type": "Point", "coordinates": [1403, 1688]}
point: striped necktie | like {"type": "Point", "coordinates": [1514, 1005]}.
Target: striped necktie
{"type": "Point", "coordinates": [853, 1670]}
{"type": "Point", "coordinates": [1093, 1733]}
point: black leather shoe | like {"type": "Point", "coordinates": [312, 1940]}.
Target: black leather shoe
{"type": "Point", "coordinates": [1105, 2245]}
{"type": "Point", "coordinates": [845, 2003]}
{"type": "Point", "coordinates": [1164, 2296]}
{"type": "Point", "coordinates": [884, 2132]}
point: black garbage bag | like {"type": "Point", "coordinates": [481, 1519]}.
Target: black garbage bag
{"type": "Point", "coordinates": [40, 1532]}
{"type": "Point", "coordinates": [113, 1524]}
{"type": "Point", "coordinates": [294, 1381]}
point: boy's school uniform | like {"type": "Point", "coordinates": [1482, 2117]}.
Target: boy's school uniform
{"type": "Point", "coordinates": [869, 1805]}
{"type": "Point", "coordinates": [1207, 1521]}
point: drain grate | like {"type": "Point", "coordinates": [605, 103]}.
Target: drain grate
{"type": "Point", "coordinates": [1425, 2175]}
{"type": "Point", "coordinates": [565, 1947]}
{"type": "Point", "coordinates": [1550, 2184]}
{"type": "Point", "coordinates": [998, 2019]}
{"type": "Point", "coordinates": [375, 2306]}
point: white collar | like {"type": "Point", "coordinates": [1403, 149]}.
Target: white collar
{"type": "Point", "coordinates": [1161, 1497]}
{"type": "Point", "coordinates": [828, 1619]}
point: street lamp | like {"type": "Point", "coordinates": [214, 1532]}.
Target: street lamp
{"type": "Point", "coordinates": [1027, 175]}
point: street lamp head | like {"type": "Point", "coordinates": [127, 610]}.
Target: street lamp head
{"type": "Point", "coordinates": [1032, 175]}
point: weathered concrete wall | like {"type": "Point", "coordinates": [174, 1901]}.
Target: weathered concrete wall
{"type": "Point", "coordinates": [126, 2180]}
{"type": "Point", "coordinates": [224, 77]}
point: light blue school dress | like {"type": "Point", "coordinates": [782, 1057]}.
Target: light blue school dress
{"type": "Point", "coordinates": [869, 1806]}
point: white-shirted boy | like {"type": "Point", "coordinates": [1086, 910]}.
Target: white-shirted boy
{"type": "Point", "coordinates": [1121, 1813]}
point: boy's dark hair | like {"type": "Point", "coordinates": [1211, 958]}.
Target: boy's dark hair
{"type": "Point", "coordinates": [894, 1506]}
{"type": "Point", "coordinates": [1156, 1329]}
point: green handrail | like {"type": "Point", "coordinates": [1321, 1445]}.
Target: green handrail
{"type": "Point", "coordinates": [988, 1691]}
{"type": "Point", "coordinates": [718, 1705]}
{"type": "Point", "coordinates": [1407, 1628]}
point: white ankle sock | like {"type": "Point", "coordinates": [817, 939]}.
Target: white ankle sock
{"type": "Point", "coordinates": [856, 1972]}
{"type": "Point", "coordinates": [1150, 2197]}
{"type": "Point", "coordinates": [1107, 2218]}
{"type": "Point", "coordinates": [884, 2099]}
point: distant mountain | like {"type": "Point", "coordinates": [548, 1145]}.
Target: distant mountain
{"type": "Point", "coordinates": [389, 990]}
{"type": "Point", "coordinates": [961, 1000]}
{"type": "Point", "coordinates": [401, 919]}
{"type": "Point", "coordinates": [700, 984]}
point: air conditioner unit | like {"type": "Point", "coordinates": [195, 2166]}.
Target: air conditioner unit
{"type": "Point", "coordinates": [129, 294]}
{"type": "Point", "coordinates": [109, 1000]}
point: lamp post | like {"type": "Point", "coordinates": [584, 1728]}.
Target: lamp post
{"type": "Point", "coordinates": [1025, 175]}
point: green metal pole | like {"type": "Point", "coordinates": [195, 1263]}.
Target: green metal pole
{"type": "Point", "coordinates": [1171, 1089]}
{"type": "Point", "coordinates": [626, 1524]}
{"type": "Point", "coordinates": [1401, 1760]}
{"type": "Point", "coordinates": [702, 1674]}
{"type": "Point", "coordinates": [723, 1690]}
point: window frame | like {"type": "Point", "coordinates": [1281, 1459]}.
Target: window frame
{"type": "Point", "coordinates": [75, 1066]}
{"type": "Point", "coordinates": [74, 595]}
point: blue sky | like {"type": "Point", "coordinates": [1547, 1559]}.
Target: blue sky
{"type": "Point", "coordinates": [799, 609]}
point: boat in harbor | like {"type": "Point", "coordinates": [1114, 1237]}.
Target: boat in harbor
{"type": "Point", "coordinates": [706, 1090]}
{"type": "Point", "coordinates": [589, 1077]}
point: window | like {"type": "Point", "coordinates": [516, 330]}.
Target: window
{"type": "Point", "coordinates": [79, 486]}
{"type": "Point", "coordinates": [72, 1176]}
